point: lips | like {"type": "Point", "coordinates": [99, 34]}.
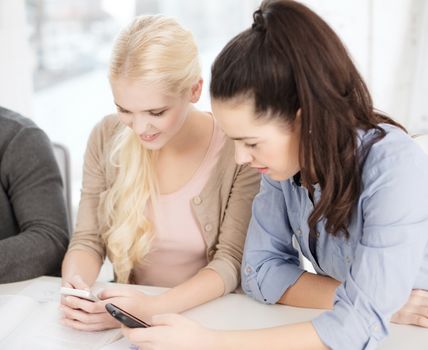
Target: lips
{"type": "Point", "coordinates": [149, 137]}
{"type": "Point", "coordinates": [261, 170]}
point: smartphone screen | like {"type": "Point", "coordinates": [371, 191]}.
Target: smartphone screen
{"type": "Point", "coordinates": [125, 318]}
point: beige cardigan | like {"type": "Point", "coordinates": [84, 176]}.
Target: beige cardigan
{"type": "Point", "coordinates": [223, 208]}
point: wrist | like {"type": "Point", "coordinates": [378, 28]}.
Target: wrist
{"type": "Point", "coordinates": [149, 306]}
{"type": "Point", "coordinates": [162, 304]}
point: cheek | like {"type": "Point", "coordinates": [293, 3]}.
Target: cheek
{"type": "Point", "coordinates": [172, 122]}
{"type": "Point", "coordinates": [165, 124]}
{"type": "Point", "coordinates": [268, 155]}
{"type": "Point", "coordinates": [288, 157]}
{"type": "Point", "coordinates": [276, 156]}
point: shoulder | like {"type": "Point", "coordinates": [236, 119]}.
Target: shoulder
{"type": "Point", "coordinates": [104, 131]}
{"type": "Point", "coordinates": [25, 150]}
{"type": "Point", "coordinates": [19, 130]}
{"type": "Point", "coordinates": [12, 123]}
{"type": "Point", "coordinates": [226, 161]}
{"type": "Point", "coordinates": [106, 127]}
{"type": "Point", "coordinates": [10, 118]}
{"type": "Point", "coordinates": [397, 154]}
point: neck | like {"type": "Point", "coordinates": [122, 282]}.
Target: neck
{"type": "Point", "coordinates": [189, 136]}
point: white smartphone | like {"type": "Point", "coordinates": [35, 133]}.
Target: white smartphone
{"type": "Point", "coordinates": [80, 293]}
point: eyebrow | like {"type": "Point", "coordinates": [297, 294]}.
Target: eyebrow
{"type": "Point", "coordinates": [243, 138]}
{"type": "Point", "coordinates": [147, 110]}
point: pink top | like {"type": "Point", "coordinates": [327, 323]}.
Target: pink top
{"type": "Point", "coordinates": [178, 250]}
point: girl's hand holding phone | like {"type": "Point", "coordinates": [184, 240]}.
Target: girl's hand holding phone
{"type": "Point", "coordinates": [80, 293]}
{"type": "Point", "coordinates": [88, 315]}
{"type": "Point", "coordinates": [170, 331]}
{"type": "Point", "coordinates": [82, 309]}
{"type": "Point", "coordinates": [125, 317]}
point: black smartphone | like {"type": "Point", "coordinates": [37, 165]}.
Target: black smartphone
{"type": "Point", "coordinates": [124, 317]}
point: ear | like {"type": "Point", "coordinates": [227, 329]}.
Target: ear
{"type": "Point", "coordinates": [196, 91]}
{"type": "Point", "coordinates": [298, 119]}
{"type": "Point", "coordinates": [299, 114]}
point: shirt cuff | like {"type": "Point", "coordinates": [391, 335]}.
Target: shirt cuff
{"type": "Point", "coordinates": [269, 284]}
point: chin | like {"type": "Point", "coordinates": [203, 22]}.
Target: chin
{"type": "Point", "coordinates": [278, 177]}
{"type": "Point", "coordinates": [151, 146]}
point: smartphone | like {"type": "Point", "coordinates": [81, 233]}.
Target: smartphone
{"type": "Point", "coordinates": [80, 293]}
{"type": "Point", "coordinates": [125, 318]}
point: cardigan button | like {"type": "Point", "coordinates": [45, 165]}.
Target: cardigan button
{"type": "Point", "coordinates": [197, 200]}
{"type": "Point", "coordinates": [208, 227]}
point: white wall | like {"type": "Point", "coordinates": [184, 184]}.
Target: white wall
{"type": "Point", "coordinates": [16, 86]}
{"type": "Point", "coordinates": [418, 101]}
{"type": "Point", "coordinates": [389, 43]}
{"type": "Point", "coordinates": [397, 50]}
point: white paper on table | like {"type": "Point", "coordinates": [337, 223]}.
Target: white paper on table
{"type": "Point", "coordinates": [34, 323]}
{"type": "Point", "coordinates": [121, 344]}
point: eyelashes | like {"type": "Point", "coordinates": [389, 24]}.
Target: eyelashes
{"type": "Point", "coordinates": [153, 114]}
{"type": "Point", "coordinates": [159, 114]}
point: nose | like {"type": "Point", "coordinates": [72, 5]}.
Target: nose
{"type": "Point", "coordinates": [242, 155]}
{"type": "Point", "coordinates": [139, 124]}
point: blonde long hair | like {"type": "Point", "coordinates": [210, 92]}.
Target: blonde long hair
{"type": "Point", "coordinates": [155, 50]}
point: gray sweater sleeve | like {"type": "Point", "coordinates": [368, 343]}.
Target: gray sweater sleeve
{"type": "Point", "coordinates": [32, 182]}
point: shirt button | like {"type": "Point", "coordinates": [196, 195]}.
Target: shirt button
{"type": "Point", "coordinates": [348, 260]}
{"type": "Point", "coordinates": [248, 270]}
{"type": "Point", "coordinates": [197, 200]}
{"type": "Point", "coordinates": [298, 232]}
{"type": "Point", "coordinates": [211, 253]}
{"type": "Point", "coordinates": [375, 328]}
{"type": "Point", "coordinates": [318, 235]}
{"type": "Point", "coordinates": [208, 227]}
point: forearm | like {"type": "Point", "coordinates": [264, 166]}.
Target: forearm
{"type": "Point", "coordinates": [311, 291]}
{"type": "Point", "coordinates": [79, 262]}
{"type": "Point", "coordinates": [296, 336]}
{"type": "Point", "coordinates": [206, 285]}
{"type": "Point", "coordinates": [31, 254]}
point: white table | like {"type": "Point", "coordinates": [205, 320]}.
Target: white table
{"type": "Point", "coordinates": [237, 311]}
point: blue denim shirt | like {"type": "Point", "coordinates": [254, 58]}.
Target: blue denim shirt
{"type": "Point", "coordinates": [385, 257]}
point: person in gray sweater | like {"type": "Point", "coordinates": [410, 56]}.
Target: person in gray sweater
{"type": "Point", "coordinates": [33, 221]}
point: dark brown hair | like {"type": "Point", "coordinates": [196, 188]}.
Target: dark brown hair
{"type": "Point", "coordinates": [290, 59]}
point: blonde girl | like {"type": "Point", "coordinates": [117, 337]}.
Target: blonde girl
{"type": "Point", "coordinates": [162, 196]}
